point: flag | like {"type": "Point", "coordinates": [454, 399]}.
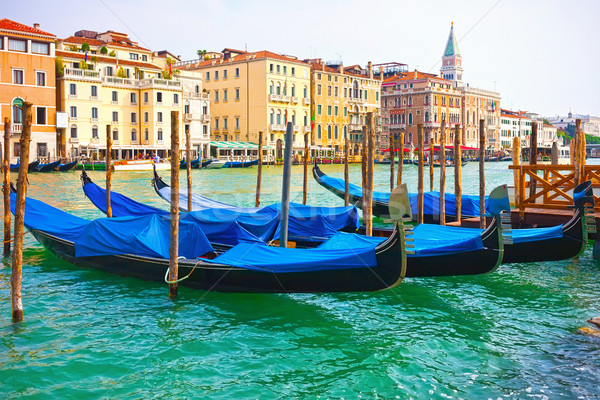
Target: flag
{"type": "Point", "coordinates": [312, 125]}
{"type": "Point", "coordinates": [285, 118]}
{"type": "Point", "coordinates": [117, 55]}
{"type": "Point", "coordinates": [85, 59]}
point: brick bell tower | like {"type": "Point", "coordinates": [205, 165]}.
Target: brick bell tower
{"type": "Point", "coordinates": [451, 60]}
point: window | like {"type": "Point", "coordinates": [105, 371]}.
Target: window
{"type": "Point", "coordinates": [197, 89]}
{"type": "Point", "coordinates": [318, 131]}
{"type": "Point", "coordinates": [285, 70]}
{"type": "Point", "coordinates": [146, 117]}
{"type": "Point", "coordinates": [115, 96]}
{"type": "Point", "coordinates": [237, 94]}
{"type": "Point", "coordinates": [17, 112]}
{"type": "Point", "coordinates": [278, 69]}
{"type": "Point", "coordinates": [237, 123]}
{"type": "Point", "coordinates": [217, 123]}
{"type": "Point", "coordinates": [133, 98]}
{"type": "Point", "coordinates": [272, 117]}
{"type": "Point", "coordinates": [271, 68]}
{"type": "Point", "coordinates": [175, 98]}
{"type": "Point", "coordinates": [208, 76]}
{"type": "Point", "coordinates": [133, 56]}
{"type": "Point", "coordinates": [329, 132]}
{"type": "Point", "coordinates": [335, 132]}
{"type": "Point", "coordinates": [115, 134]}
{"type": "Point", "coordinates": [73, 112]}
{"type": "Point", "coordinates": [293, 71]}
{"type": "Point", "coordinates": [159, 117]}
{"type": "Point", "coordinates": [319, 89]}
{"type": "Point", "coordinates": [94, 132]}
{"type": "Point", "coordinates": [237, 72]}
{"type": "Point", "coordinates": [224, 74]}
{"type": "Point", "coordinates": [115, 116]}
{"type": "Point", "coordinates": [133, 118]}
{"type": "Point", "coordinates": [328, 110]}
{"type": "Point", "coordinates": [144, 57]}
{"type": "Point", "coordinates": [319, 109]}
{"type": "Point", "coordinates": [204, 130]}
{"type": "Point", "coordinates": [17, 150]}
{"type": "Point", "coordinates": [41, 115]}
{"type": "Point", "coordinates": [18, 76]}
{"type": "Point", "coordinates": [186, 109]}
{"type": "Point", "coordinates": [336, 91]}
{"type": "Point", "coordinates": [146, 98]}
{"type": "Point", "coordinates": [335, 111]}
{"type": "Point", "coordinates": [345, 111]}
{"type": "Point", "coordinates": [94, 91]}
{"type": "Point", "coordinates": [410, 119]}
{"type": "Point", "coordinates": [94, 113]}
{"type": "Point", "coordinates": [305, 92]}
{"type": "Point", "coordinates": [109, 71]}
{"type": "Point", "coordinates": [72, 89]}
{"type": "Point", "coordinates": [146, 134]}
{"type": "Point", "coordinates": [159, 135]}
{"type": "Point", "coordinates": [225, 95]}
{"type": "Point", "coordinates": [40, 78]}
{"type": "Point", "coordinates": [305, 120]}
{"type": "Point", "coordinates": [17, 45]}
{"type": "Point", "coordinates": [159, 97]}
{"type": "Point", "coordinates": [133, 135]}
{"type": "Point", "coordinates": [216, 75]}
{"type": "Point", "coordinates": [328, 90]}
{"type": "Point", "coordinates": [74, 131]}
{"type": "Point", "coordinates": [216, 96]}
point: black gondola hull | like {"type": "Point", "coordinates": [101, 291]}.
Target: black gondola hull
{"type": "Point", "coordinates": [211, 276]}
{"type": "Point", "coordinates": [67, 167]}
{"type": "Point", "coordinates": [48, 167]}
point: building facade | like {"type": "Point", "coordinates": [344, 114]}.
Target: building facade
{"type": "Point", "coordinates": [520, 124]}
{"type": "Point", "coordinates": [107, 79]}
{"type": "Point", "coordinates": [589, 123]}
{"type": "Point", "coordinates": [27, 74]}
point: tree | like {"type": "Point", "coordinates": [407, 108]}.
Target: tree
{"type": "Point", "coordinates": [201, 53]}
{"type": "Point", "coordinates": [94, 59]}
{"type": "Point", "coordinates": [85, 47]}
{"type": "Point", "coordinates": [121, 73]}
{"type": "Point", "coordinates": [103, 50]}
{"type": "Point", "coordinates": [112, 54]}
{"type": "Point", "coordinates": [59, 65]}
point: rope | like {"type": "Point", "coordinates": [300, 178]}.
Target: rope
{"type": "Point", "coordinates": [180, 279]}
{"type": "Point", "coordinates": [7, 241]}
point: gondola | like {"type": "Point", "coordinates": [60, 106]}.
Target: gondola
{"type": "Point", "coordinates": [67, 166]}
{"type": "Point", "coordinates": [195, 164]}
{"type": "Point", "coordinates": [32, 167]}
{"type": "Point", "coordinates": [405, 161]}
{"type": "Point", "coordinates": [205, 163]}
{"type": "Point", "coordinates": [240, 164]}
{"type": "Point", "coordinates": [461, 253]}
{"type": "Point", "coordinates": [125, 247]}
{"type": "Point", "coordinates": [48, 167]}
{"type": "Point", "coordinates": [470, 204]}
{"type": "Point", "coordinates": [436, 164]}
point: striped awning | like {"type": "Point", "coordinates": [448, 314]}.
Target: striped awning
{"type": "Point", "coordinates": [237, 145]}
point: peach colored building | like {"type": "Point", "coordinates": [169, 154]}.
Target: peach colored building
{"type": "Point", "coordinates": [27, 74]}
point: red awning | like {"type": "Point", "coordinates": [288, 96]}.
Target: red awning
{"type": "Point", "coordinates": [388, 149]}
{"type": "Point", "coordinates": [437, 148]}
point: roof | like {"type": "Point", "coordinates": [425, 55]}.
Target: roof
{"type": "Point", "coordinates": [413, 75]}
{"type": "Point", "coordinates": [241, 57]}
{"type": "Point", "coordinates": [105, 59]}
{"type": "Point", "coordinates": [452, 45]}
{"type": "Point", "coordinates": [315, 66]}
{"type": "Point", "coordinates": [10, 25]}
{"type": "Point", "coordinates": [82, 40]}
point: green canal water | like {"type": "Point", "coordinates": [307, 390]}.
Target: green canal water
{"type": "Point", "coordinates": [89, 334]}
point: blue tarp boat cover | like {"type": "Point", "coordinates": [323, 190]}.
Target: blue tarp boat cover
{"type": "Point", "coordinates": [145, 236]}
{"type": "Point", "coordinates": [427, 241]}
{"type": "Point", "coordinates": [431, 202]}
{"type": "Point", "coordinates": [249, 224]}
{"type": "Point", "coordinates": [276, 259]}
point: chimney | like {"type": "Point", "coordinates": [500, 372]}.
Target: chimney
{"type": "Point", "coordinates": [370, 69]}
{"type": "Point", "coordinates": [36, 25]}
{"type": "Point", "coordinates": [341, 68]}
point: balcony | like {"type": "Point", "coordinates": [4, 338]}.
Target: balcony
{"type": "Point", "coordinates": [159, 83]}
{"type": "Point", "coordinates": [205, 118]}
{"type": "Point", "coordinates": [306, 101]}
{"type": "Point", "coordinates": [146, 142]}
{"type": "Point", "coordinates": [285, 99]}
{"type": "Point", "coordinates": [296, 128]}
{"type": "Point", "coordinates": [81, 74]}
{"type": "Point", "coordinates": [16, 128]}
{"type": "Point", "coordinates": [274, 97]}
{"type": "Point", "coordinates": [294, 99]}
{"type": "Point", "coordinates": [307, 129]}
{"type": "Point", "coordinates": [276, 127]}
{"type": "Point", "coordinates": [122, 82]}
{"type": "Point", "coordinates": [356, 100]}
{"type": "Point", "coordinates": [134, 123]}
{"type": "Point", "coordinates": [187, 117]}
{"type": "Point", "coordinates": [73, 140]}
{"type": "Point", "coordinates": [94, 119]}
{"type": "Point", "coordinates": [194, 95]}
{"type": "Point", "coordinates": [72, 118]}
{"type": "Point", "coordinates": [355, 127]}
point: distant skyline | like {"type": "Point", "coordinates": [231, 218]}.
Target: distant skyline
{"type": "Point", "coordinates": [540, 55]}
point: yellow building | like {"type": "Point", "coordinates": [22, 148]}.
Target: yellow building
{"type": "Point", "coordinates": [27, 74]}
{"type": "Point", "coordinates": [255, 92]}
{"type": "Point", "coordinates": [341, 99]}
{"type": "Point", "coordinates": [107, 79]}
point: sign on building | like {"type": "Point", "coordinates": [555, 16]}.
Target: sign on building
{"type": "Point", "coordinates": [62, 120]}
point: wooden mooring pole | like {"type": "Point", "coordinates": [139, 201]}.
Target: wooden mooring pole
{"type": "Point", "coordinates": [17, 256]}
{"type": "Point", "coordinates": [188, 155]}
{"type": "Point", "coordinates": [392, 165]}
{"type": "Point", "coordinates": [443, 173]}
{"type": "Point", "coordinates": [481, 173]}
{"type": "Point", "coordinates": [259, 172]}
{"type": "Point", "coordinates": [400, 159]}
{"type": "Point", "coordinates": [457, 173]}
{"type": "Point", "coordinates": [109, 169]}
{"type": "Point", "coordinates": [6, 170]}
{"type": "Point", "coordinates": [285, 190]}
{"type": "Point", "coordinates": [533, 155]}
{"type": "Point", "coordinates": [516, 159]}
{"type": "Point", "coordinates": [420, 193]}
{"type": "Point", "coordinates": [370, 168]}
{"type": "Point", "coordinates": [174, 248]}
{"type": "Point", "coordinates": [306, 158]}
{"type": "Point", "coordinates": [346, 175]}
{"type": "Point", "coordinates": [431, 159]}
{"type": "Point", "coordinates": [363, 166]}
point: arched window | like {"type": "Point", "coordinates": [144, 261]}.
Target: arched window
{"type": "Point", "coordinates": [159, 134]}
{"type": "Point", "coordinates": [133, 135]}
{"type": "Point", "coordinates": [426, 116]}
{"type": "Point", "coordinates": [335, 132]}
{"type": "Point", "coordinates": [426, 99]}
{"type": "Point", "coordinates": [279, 117]}
{"type": "Point", "coordinates": [94, 132]}
{"type": "Point", "coordinates": [305, 92]}
{"type": "Point", "coordinates": [410, 100]}
{"type": "Point", "coordinates": [355, 89]}
{"type": "Point", "coordinates": [271, 88]}
{"type": "Point", "coordinates": [318, 131]}
{"type": "Point", "coordinates": [293, 90]}
{"type": "Point", "coordinates": [293, 117]}
{"type": "Point", "coordinates": [146, 133]}
{"type": "Point", "coordinates": [328, 131]}
{"type": "Point", "coordinates": [17, 112]}
{"type": "Point", "coordinates": [410, 119]}
{"type": "Point", "coordinates": [73, 131]}
{"type": "Point", "coordinates": [272, 117]}
{"type": "Point", "coordinates": [197, 88]}
{"type": "Point", "coordinates": [278, 89]}
{"type": "Point", "coordinates": [345, 131]}
{"type": "Point", "coordinates": [115, 134]}
{"type": "Point", "coordinates": [403, 118]}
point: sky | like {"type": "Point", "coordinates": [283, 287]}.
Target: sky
{"type": "Point", "coordinates": [539, 54]}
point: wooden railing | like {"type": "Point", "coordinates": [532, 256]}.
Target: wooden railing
{"type": "Point", "coordinates": [554, 185]}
